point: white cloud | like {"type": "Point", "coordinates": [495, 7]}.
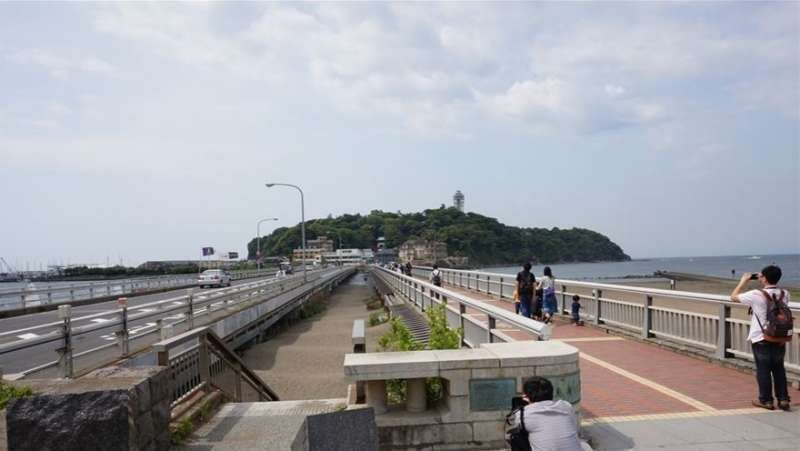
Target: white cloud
{"type": "Point", "coordinates": [614, 90]}
{"type": "Point", "coordinates": [57, 109]}
{"type": "Point", "coordinates": [401, 63]}
{"type": "Point", "coordinates": [553, 104]}
{"type": "Point", "coordinates": [549, 95]}
{"type": "Point", "coordinates": [61, 67]}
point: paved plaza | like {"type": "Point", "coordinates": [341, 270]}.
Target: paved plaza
{"type": "Point", "coordinates": [636, 395]}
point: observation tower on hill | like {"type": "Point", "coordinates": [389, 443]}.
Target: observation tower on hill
{"type": "Point", "coordinates": [458, 200]}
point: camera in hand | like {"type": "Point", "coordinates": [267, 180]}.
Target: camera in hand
{"type": "Point", "coordinates": [754, 276]}
{"type": "Point", "coordinates": [517, 402]}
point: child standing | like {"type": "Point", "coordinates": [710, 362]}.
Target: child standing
{"type": "Point", "coordinates": [576, 307]}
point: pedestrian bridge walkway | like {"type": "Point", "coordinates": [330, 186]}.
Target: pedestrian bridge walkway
{"type": "Point", "coordinates": [634, 395]}
{"type": "Point", "coordinates": [637, 395]}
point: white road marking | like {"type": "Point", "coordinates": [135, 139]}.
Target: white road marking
{"type": "Point", "coordinates": [101, 320]}
{"type": "Point", "coordinates": [27, 336]}
{"type": "Point", "coordinates": [138, 329]}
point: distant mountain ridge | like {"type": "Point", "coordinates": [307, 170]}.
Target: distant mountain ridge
{"type": "Point", "coordinates": [485, 241]}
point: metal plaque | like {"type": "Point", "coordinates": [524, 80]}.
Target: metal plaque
{"type": "Point", "coordinates": [491, 394]}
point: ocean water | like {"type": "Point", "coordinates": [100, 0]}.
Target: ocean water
{"type": "Point", "coordinates": [709, 266]}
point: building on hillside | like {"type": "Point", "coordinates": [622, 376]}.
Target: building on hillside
{"type": "Point", "coordinates": [422, 252]}
{"type": "Point", "coordinates": [348, 257]}
{"type": "Point", "coordinates": [314, 250]}
{"type": "Point", "coordinates": [322, 242]}
{"type": "Point", "coordinates": [458, 200]}
{"type": "Point", "coordinates": [164, 265]}
{"type": "Point", "coordinates": [383, 254]}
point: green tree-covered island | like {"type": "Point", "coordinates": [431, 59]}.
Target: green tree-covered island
{"type": "Point", "coordinates": [483, 240]}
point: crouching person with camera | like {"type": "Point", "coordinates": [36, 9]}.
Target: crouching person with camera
{"type": "Point", "coordinates": [546, 424]}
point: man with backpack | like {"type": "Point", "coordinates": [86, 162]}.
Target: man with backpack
{"type": "Point", "coordinates": [771, 327]}
{"type": "Point", "coordinates": [526, 283]}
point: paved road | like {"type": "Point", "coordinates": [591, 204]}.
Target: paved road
{"type": "Point", "coordinates": [12, 329]}
{"type": "Point", "coordinates": [315, 348]}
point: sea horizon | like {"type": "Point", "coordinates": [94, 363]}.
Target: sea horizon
{"type": "Point", "coordinates": [715, 266]}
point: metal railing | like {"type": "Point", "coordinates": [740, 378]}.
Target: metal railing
{"type": "Point", "coordinates": [164, 314]}
{"type": "Point", "coordinates": [460, 310]}
{"type": "Point", "coordinates": [702, 321]}
{"type": "Point", "coordinates": [71, 292]}
{"type": "Point", "coordinates": [203, 361]}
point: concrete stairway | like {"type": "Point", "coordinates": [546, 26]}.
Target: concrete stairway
{"type": "Point", "coordinates": [259, 425]}
{"type": "Point", "coordinates": [414, 321]}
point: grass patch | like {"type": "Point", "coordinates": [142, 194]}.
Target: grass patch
{"type": "Point", "coordinates": [9, 392]}
{"type": "Point", "coordinates": [374, 304]}
{"type": "Point", "coordinates": [312, 308]}
{"type": "Point", "coordinates": [377, 318]}
{"type": "Point", "coordinates": [181, 431]}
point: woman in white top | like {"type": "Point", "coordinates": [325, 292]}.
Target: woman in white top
{"type": "Point", "coordinates": [548, 286]}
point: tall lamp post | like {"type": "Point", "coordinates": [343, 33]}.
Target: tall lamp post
{"type": "Point", "coordinates": [302, 221]}
{"type": "Point", "coordinates": [258, 241]}
{"type": "Point", "coordinates": [338, 254]}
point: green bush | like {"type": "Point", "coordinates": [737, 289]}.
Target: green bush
{"type": "Point", "coordinates": [377, 318]}
{"type": "Point", "coordinates": [399, 338]}
{"type": "Point", "coordinates": [9, 392]}
{"type": "Point", "coordinates": [374, 304]}
{"type": "Point", "coordinates": [310, 309]}
{"type": "Point", "coordinates": [181, 431]}
{"type": "Point", "coordinates": [442, 336]}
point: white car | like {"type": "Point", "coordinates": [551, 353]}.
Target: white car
{"type": "Point", "coordinates": [214, 278]}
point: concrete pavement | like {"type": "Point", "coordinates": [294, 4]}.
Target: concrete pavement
{"type": "Point", "coordinates": [305, 361]}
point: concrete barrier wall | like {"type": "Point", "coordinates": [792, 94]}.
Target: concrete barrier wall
{"type": "Point", "coordinates": [478, 387]}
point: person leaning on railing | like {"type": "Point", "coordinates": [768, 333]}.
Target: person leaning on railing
{"type": "Point", "coordinates": [768, 353]}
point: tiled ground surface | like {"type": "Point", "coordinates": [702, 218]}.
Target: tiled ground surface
{"type": "Point", "coordinates": [719, 387]}
{"type": "Point", "coordinates": [661, 378]}
{"type": "Point", "coordinates": [604, 394]}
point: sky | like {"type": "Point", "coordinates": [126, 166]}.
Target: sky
{"type": "Point", "coordinates": [145, 131]}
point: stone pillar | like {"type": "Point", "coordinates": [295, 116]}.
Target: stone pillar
{"type": "Point", "coordinates": [114, 408]}
{"type": "Point", "coordinates": [376, 396]}
{"type": "Point", "coordinates": [415, 395]}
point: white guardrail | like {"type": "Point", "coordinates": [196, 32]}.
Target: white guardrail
{"type": "Point", "coordinates": [706, 322]}
{"type": "Point", "coordinates": [45, 293]}
{"type": "Point", "coordinates": [459, 310]}
{"type": "Point", "coordinates": [164, 314]}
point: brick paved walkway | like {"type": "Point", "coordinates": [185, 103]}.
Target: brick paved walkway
{"type": "Point", "coordinates": [624, 380]}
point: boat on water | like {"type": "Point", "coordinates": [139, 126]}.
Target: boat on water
{"type": "Point", "coordinates": [753, 257]}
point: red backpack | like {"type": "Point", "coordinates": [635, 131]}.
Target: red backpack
{"type": "Point", "coordinates": [780, 324]}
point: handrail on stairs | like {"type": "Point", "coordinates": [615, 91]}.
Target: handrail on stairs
{"type": "Point", "coordinates": [202, 361]}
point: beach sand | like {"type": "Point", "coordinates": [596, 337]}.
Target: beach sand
{"type": "Point", "coordinates": [720, 286]}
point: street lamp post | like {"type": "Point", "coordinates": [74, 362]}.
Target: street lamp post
{"type": "Point", "coordinates": [302, 221]}
{"type": "Point", "coordinates": [258, 241]}
{"type": "Point", "coordinates": [338, 254]}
